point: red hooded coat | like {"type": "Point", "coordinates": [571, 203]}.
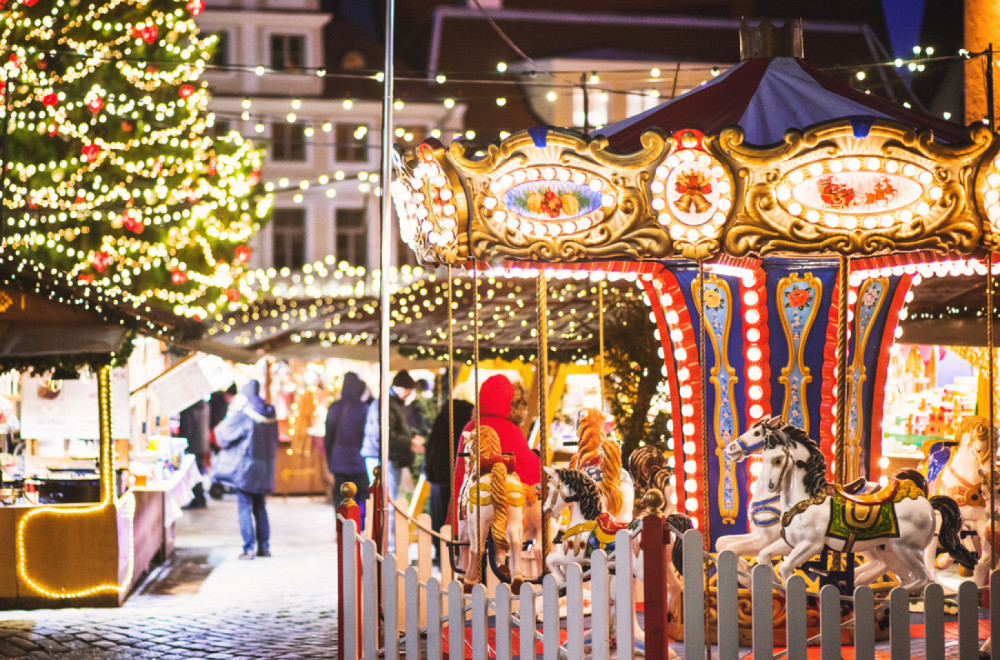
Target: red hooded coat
{"type": "Point", "coordinates": [495, 396]}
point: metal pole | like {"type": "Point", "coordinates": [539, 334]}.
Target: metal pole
{"type": "Point", "coordinates": [385, 241]}
{"type": "Point", "coordinates": [841, 474]}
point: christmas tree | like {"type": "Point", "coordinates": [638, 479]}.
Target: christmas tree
{"type": "Point", "coordinates": [112, 172]}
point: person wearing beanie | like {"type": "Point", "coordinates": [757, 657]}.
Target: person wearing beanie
{"type": "Point", "coordinates": [403, 442]}
{"type": "Point", "coordinates": [502, 407]}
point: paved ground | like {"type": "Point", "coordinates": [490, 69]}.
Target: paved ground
{"type": "Point", "coordinates": [205, 603]}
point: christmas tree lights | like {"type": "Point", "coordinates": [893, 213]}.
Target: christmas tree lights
{"type": "Point", "coordinates": [112, 174]}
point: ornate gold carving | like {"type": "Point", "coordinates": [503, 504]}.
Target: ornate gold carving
{"type": "Point", "coordinates": [431, 205]}
{"type": "Point", "coordinates": [510, 183]}
{"type": "Point", "coordinates": [938, 218]}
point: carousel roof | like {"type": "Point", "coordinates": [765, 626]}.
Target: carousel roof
{"type": "Point", "coordinates": [766, 98]}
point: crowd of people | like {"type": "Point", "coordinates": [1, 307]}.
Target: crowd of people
{"type": "Point", "coordinates": [234, 438]}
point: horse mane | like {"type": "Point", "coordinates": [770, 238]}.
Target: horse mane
{"type": "Point", "coordinates": [584, 491]}
{"type": "Point", "coordinates": [611, 476]}
{"type": "Point", "coordinates": [909, 474]}
{"type": "Point", "coordinates": [590, 431]}
{"type": "Point", "coordinates": [643, 463]}
{"type": "Point", "coordinates": [815, 466]}
{"type": "Point", "coordinates": [971, 426]}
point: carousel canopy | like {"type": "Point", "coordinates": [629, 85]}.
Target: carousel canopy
{"type": "Point", "coordinates": [766, 98]}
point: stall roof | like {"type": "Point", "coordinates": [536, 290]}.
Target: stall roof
{"type": "Point", "coordinates": [344, 326]}
{"type": "Point", "coordinates": [48, 320]}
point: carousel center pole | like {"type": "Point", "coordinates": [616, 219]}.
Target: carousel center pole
{"type": "Point", "coordinates": [600, 337]}
{"type": "Point", "coordinates": [385, 241]}
{"type": "Point", "coordinates": [480, 537]}
{"type": "Point", "coordinates": [840, 462]}
{"type": "Point", "coordinates": [541, 295]}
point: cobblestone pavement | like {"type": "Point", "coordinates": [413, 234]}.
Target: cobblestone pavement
{"type": "Point", "coordinates": [204, 602]}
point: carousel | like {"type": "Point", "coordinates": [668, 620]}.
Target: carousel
{"type": "Point", "coordinates": [777, 222]}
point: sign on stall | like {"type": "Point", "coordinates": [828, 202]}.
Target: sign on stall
{"type": "Point", "coordinates": [56, 410]}
{"type": "Point", "coordinates": [191, 382]}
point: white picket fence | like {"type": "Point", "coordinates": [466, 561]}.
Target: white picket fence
{"type": "Point", "coordinates": [436, 616]}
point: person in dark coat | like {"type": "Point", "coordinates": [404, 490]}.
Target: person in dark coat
{"type": "Point", "coordinates": [193, 425]}
{"type": "Point", "coordinates": [438, 454]}
{"type": "Point", "coordinates": [345, 433]}
{"type": "Point", "coordinates": [248, 438]}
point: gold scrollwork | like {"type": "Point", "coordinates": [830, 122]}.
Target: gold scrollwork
{"type": "Point", "coordinates": [623, 228]}
{"type": "Point", "coordinates": [720, 342]}
{"type": "Point", "coordinates": [763, 225]}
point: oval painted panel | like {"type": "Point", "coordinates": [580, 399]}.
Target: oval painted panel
{"type": "Point", "coordinates": [552, 200]}
{"type": "Point", "coordinates": [857, 192]}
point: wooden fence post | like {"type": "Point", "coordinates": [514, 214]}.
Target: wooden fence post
{"type": "Point", "coordinates": [348, 510]}
{"type": "Point", "coordinates": [654, 558]}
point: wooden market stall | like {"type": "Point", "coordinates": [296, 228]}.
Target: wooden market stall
{"type": "Point", "coordinates": [86, 540]}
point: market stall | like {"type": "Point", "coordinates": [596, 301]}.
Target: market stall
{"type": "Point", "coordinates": [76, 531]}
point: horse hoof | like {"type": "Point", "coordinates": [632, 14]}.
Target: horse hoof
{"type": "Point", "coordinates": [515, 586]}
{"type": "Point", "coordinates": [467, 587]}
{"type": "Point", "coordinates": [504, 573]}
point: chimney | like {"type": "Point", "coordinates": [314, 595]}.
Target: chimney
{"type": "Point", "coordinates": [770, 41]}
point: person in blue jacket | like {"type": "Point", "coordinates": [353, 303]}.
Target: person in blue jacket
{"type": "Point", "coordinates": [248, 441]}
{"type": "Point", "coordinates": [345, 432]}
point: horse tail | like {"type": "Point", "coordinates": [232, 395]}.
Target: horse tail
{"type": "Point", "coordinates": [948, 535]}
{"type": "Point", "coordinates": [498, 493]}
{"type": "Point", "coordinates": [611, 476]}
{"type": "Point", "coordinates": [919, 480]}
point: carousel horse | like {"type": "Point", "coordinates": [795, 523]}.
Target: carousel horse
{"type": "Point", "coordinates": [649, 470]}
{"type": "Point", "coordinates": [502, 501]}
{"type": "Point", "coordinates": [898, 521]}
{"type": "Point", "coordinates": [765, 510]}
{"type": "Point", "coordinates": [961, 477]}
{"type": "Point", "coordinates": [591, 528]}
{"type": "Point", "coordinates": [600, 458]}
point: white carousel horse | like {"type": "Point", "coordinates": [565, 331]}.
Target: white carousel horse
{"type": "Point", "coordinates": [601, 458]}
{"type": "Point", "coordinates": [591, 529]}
{"type": "Point", "coordinates": [502, 501]}
{"type": "Point", "coordinates": [765, 508]}
{"type": "Point", "coordinates": [962, 480]}
{"type": "Point", "coordinates": [900, 518]}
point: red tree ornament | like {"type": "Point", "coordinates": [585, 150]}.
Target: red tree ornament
{"type": "Point", "coordinates": [233, 295]}
{"type": "Point", "coordinates": [195, 6]}
{"type": "Point", "coordinates": [242, 254]}
{"type": "Point", "coordinates": [50, 99]}
{"type": "Point", "coordinates": [100, 260]}
{"type": "Point", "coordinates": [90, 152]}
{"type": "Point", "coordinates": [85, 278]}
{"type": "Point", "coordinates": [186, 91]}
{"type": "Point", "coordinates": [28, 3]}
{"type": "Point", "coordinates": [95, 104]}
{"type": "Point", "coordinates": [147, 33]}
{"type": "Point", "coordinates": [178, 276]}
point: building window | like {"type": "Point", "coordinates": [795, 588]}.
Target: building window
{"type": "Point", "coordinates": [411, 135]}
{"type": "Point", "coordinates": [288, 232]}
{"type": "Point", "coordinates": [288, 52]}
{"type": "Point", "coordinates": [597, 109]}
{"type": "Point", "coordinates": [288, 141]}
{"type": "Point", "coordinates": [221, 127]}
{"type": "Point", "coordinates": [352, 236]}
{"type": "Point", "coordinates": [220, 57]}
{"type": "Point", "coordinates": [640, 100]}
{"type": "Point", "coordinates": [352, 143]}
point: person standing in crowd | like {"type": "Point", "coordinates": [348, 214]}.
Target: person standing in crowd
{"type": "Point", "coordinates": [345, 433]}
{"type": "Point", "coordinates": [403, 442]}
{"type": "Point", "coordinates": [503, 407]}
{"type": "Point", "coordinates": [193, 425]}
{"type": "Point", "coordinates": [438, 452]}
{"type": "Point", "coordinates": [248, 438]}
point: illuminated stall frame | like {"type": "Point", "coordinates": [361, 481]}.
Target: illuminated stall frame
{"type": "Point", "coordinates": [558, 199]}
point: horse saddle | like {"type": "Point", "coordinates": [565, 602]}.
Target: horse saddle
{"type": "Point", "coordinates": [607, 524]}
{"type": "Point", "coordinates": [857, 493]}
